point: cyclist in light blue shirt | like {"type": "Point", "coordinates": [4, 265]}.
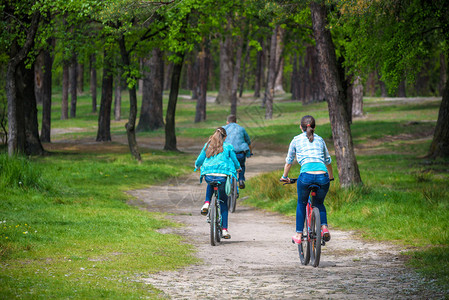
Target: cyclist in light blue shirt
{"type": "Point", "coordinates": [239, 138]}
{"type": "Point", "coordinates": [311, 153]}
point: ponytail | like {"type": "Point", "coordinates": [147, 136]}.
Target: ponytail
{"type": "Point", "coordinates": [308, 126]}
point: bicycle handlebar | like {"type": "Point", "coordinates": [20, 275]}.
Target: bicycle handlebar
{"type": "Point", "coordinates": [293, 180]}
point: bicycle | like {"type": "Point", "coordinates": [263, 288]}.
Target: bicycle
{"type": "Point", "coordinates": [311, 241]}
{"type": "Point", "coordinates": [214, 217]}
{"type": "Point", "coordinates": [232, 198]}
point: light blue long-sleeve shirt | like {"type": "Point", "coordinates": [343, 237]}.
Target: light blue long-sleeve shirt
{"type": "Point", "coordinates": [307, 152]}
{"type": "Point", "coordinates": [237, 137]}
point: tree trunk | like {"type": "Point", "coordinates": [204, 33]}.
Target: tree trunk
{"type": "Point", "coordinates": [440, 143]}
{"type": "Point", "coordinates": [151, 115]}
{"type": "Point", "coordinates": [224, 93]}
{"type": "Point", "coordinates": [401, 89]}
{"type": "Point", "coordinates": [65, 91]}
{"type": "Point", "coordinates": [47, 84]}
{"type": "Point", "coordinates": [80, 78]}
{"type": "Point", "coordinates": [269, 91]}
{"type": "Point", "coordinates": [16, 142]}
{"type": "Point", "coordinates": [73, 83]}
{"type": "Point", "coordinates": [243, 72]}
{"type": "Point", "coordinates": [278, 88]}
{"type": "Point", "coordinates": [131, 124]}
{"type": "Point", "coordinates": [357, 97]}
{"type": "Point", "coordinates": [170, 133]}
{"type": "Point", "coordinates": [39, 77]}
{"type": "Point", "coordinates": [382, 85]}
{"type": "Point", "coordinates": [204, 62]}
{"type": "Point", "coordinates": [344, 151]}
{"type": "Point", "coordinates": [118, 96]}
{"type": "Point", "coordinates": [443, 74]}
{"type": "Point", "coordinates": [93, 81]}
{"type": "Point", "coordinates": [236, 75]}
{"type": "Point", "coordinates": [294, 89]}
{"type": "Point", "coordinates": [26, 96]}
{"type": "Point", "coordinates": [104, 117]}
{"type": "Point", "coordinates": [167, 75]}
{"type": "Point", "coordinates": [259, 70]}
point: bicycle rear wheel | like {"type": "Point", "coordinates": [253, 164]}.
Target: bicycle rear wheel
{"type": "Point", "coordinates": [304, 247]}
{"type": "Point", "coordinates": [315, 238]}
{"type": "Point", "coordinates": [213, 214]}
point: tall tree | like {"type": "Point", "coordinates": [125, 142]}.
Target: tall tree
{"type": "Point", "coordinates": [151, 112]}
{"type": "Point", "coordinates": [203, 76]}
{"type": "Point", "coordinates": [397, 36]}
{"type": "Point", "coordinates": [335, 95]}
{"type": "Point", "coordinates": [104, 117]}
{"type": "Point", "coordinates": [47, 88]}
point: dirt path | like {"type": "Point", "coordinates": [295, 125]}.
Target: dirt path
{"type": "Point", "coordinates": [260, 262]}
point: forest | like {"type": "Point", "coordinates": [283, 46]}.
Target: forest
{"type": "Point", "coordinates": [100, 97]}
{"type": "Point", "coordinates": [334, 51]}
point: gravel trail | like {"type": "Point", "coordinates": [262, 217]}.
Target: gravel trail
{"type": "Point", "coordinates": [260, 262]}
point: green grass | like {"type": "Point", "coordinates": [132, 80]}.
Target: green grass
{"type": "Point", "coordinates": [71, 233]}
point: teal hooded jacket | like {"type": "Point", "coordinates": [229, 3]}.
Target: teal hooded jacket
{"type": "Point", "coordinates": [223, 163]}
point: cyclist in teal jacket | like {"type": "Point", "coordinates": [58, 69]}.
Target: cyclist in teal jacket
{"type": "Point", "coordinates": [217, 161]}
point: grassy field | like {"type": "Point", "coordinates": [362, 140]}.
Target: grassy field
{"type": "Point", "coordinates": [66, 230]}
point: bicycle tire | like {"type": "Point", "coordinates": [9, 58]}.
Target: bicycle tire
{"type": "Point", "coordinates": [234, 196]}
{"type": "Point", "coordinates": [213, 221]}
{"type": "Point", "coordinates": [218, 229]}
{"type": "Point", "coordinates": [304, 247]}
{"type": "Point", "coordinates": [315, 241]}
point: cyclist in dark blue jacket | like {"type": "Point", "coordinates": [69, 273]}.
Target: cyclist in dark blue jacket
{"type": "Point", "coordinates": [239, 138]}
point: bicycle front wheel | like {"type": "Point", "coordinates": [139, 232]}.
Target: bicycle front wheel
{"type": "Point", "coordinates": [315, 238]}
{"type": "Point", "coordinates": [304, 247]}
{"type": "Point", "coordinates": [234, 195]}
{"type": "Point", "coordinates": [213, 214]}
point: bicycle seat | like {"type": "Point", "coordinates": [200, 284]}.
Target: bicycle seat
{"type": "Point", "coordinates": [314, 187]}
{"type": "Point", "coordinates": [214, 183]}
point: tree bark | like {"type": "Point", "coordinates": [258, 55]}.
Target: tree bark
{"type": "Point", "coordinates": [278, 88]}
{"type": "Point", "coordinates": [401, 89]}
{"type": "Point", "coordinates": [80, 78]}
{"type": "Point", "coordinates": [26, 96]}
{"type": "Point", "coordinates": [151, 112]}
{"type": "Point", "coordinates": [167, 75]}
{"type": "Point", "coordinates": [170, 133]}
{"type": "Point", "coordinates": [259, 70]}
{"type": "Point", "coordinates": [39, 77]}
{"type": "Point", "coordinates": [443, 74]}
{"type": "Point", "coordinates": [357, 97]}
{"type": "Point", "coordinates": [236, 75]}
{"type": "Point", "coordinates": [243, 71]}
{"type": "Point", "coordinates": [118, 96]}
{"type": "Point", "coordinates": [65, 91]}
{"type": "Point", "coordinates": [269, 91]}
{"type": "Point", "coordinates": [47, 87]}
{"type": "Point", "coordinates": [73, 86]}
{"type": "Point", "coordinates": [204, 62]}
{"type": "Point", "coordinates": [131, 124]}
{"type": "Point", "coordinates": [104, 117]}
{"type": "Point", "coordinates": [294, 89]}
{"type": "Point", "coordinates": [224, 93]}
{"type": "Point", "coordinates": [93, 81]}
{"type": "Point", "coordinates": [344, 151]}
{"type": "Point", "coordinates": [440, 142]}
{"type": "Point", "coordinates": [17, 55]}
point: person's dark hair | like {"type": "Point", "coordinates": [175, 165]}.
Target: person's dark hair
{"type": "Point", "coordinates": [215, 142]}
{"type": "Point", "coordinates": [232, 119]}
{"type": "Point", "coordinates": [308, 125]}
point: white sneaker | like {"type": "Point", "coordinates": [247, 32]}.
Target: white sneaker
{"type": "Point", "coordinates": [225, 234]}
{"type": "Point", "coordinates": [205, 209]}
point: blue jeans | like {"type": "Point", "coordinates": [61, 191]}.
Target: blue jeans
{"type": "Point", "coordinates": [303, 183]}
{"type": "Point", "coordinates": [221, 195]}
{"type": "Point", "coordinates": [241, 157]}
